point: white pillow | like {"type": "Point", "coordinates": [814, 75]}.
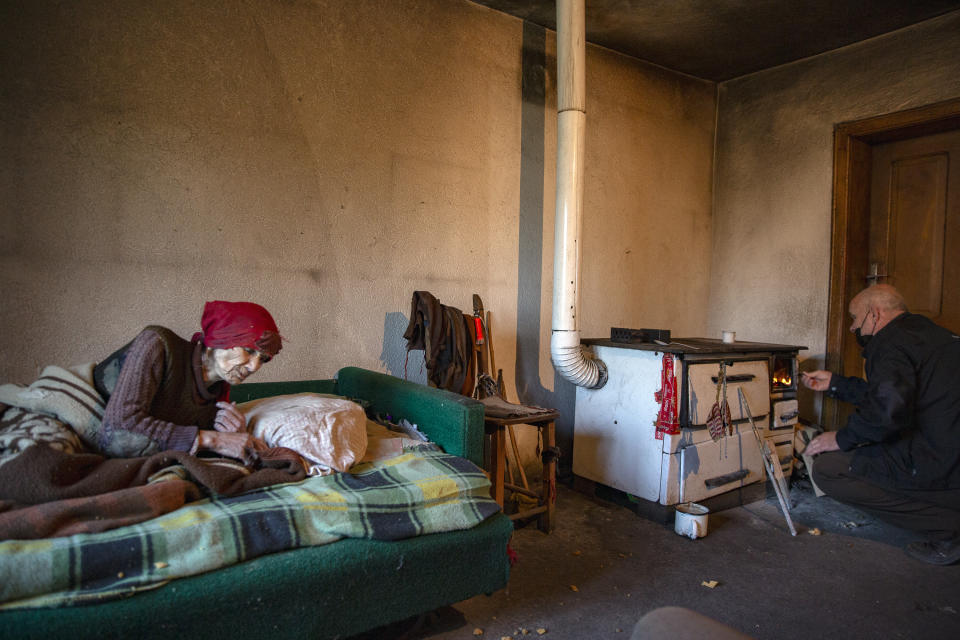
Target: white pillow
{"type": "Point", "coordinates": [328, 431]}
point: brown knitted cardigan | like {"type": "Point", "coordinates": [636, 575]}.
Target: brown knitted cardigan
{"type": "Point", "coordinates": [154, 387]}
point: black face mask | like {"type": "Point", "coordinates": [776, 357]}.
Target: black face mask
{"type": "Point", "coordinates": [863, 340]}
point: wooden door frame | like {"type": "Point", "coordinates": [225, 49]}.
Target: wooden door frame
{"type": "Point", "coordinates": [852, 156]}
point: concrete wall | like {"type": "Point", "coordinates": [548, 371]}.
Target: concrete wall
{"type": "Point", "coordinates": [770, 270]}
{"type": "Point", "coordinates": [327, 158]}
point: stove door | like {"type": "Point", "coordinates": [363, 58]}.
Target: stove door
{"type": "Point", "coordinates": [752, 376]}
{"type": "Point", "coordinates": [710, 468]}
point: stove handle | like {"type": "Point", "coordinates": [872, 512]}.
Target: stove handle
{"type": "Point", "coordinates": [719, 481]}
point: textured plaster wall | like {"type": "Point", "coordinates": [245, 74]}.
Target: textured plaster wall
{"type": "Point", "coordinates": [646, 225]}
{"type": "Point", "coordinates": [647, 198]}
{"type": "Point", "coordinates": [326, 159]}
{"type": "Point", "coordinates": [646, 221]}
{"type": "Point", "coordinates": [770, 270]}
{"type": "Point", "coordinates": [322, 158]}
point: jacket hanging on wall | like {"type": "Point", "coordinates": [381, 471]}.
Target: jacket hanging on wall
{"type": "Point", "coordinates": [444, 334]}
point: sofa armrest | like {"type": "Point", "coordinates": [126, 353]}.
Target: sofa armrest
{"type": "Point", "coordinates": [453, 421]}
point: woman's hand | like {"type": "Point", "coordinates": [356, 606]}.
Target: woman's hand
{"type": "Point", "coordinates": [240, 446]}
{"type": "Point", "coordinates": [229, 419]}
{"type": "Point", "coordinates": [816, 380]}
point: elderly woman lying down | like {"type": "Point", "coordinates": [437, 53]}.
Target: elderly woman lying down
{"type": "Point", "coordinates": [165, 393]}
{"type": "Point", "coordinates": [158, 409]}
{"type": "Point", "coordinates": [111, 430]}
{"type": "Point", "coordinates": [418, 490]}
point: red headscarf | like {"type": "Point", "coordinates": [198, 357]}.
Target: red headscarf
{"type": "Point", "coordinates": [239, 324]}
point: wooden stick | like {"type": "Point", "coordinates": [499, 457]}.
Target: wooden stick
{"type": "Point", "coordinates": [516, 455]}
{"type": "Point", "coordinates": [530, 493]}
{"type": "Point", "coordinates": [771, 463]}
{"type": "Point", "coordinates": [529, 512]}
{"type": "Point", "coordinates": [493, 366]}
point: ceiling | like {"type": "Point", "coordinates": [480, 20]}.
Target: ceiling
{"type": "Point", "coordinates": [723, 39]}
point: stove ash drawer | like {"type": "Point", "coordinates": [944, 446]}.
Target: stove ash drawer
{"type": "Point", "coordinates": [712, 468]}
{"type": "Point", "coordinates": [785, 414]}
{"type": "Point", "coordinates": [752, 376]}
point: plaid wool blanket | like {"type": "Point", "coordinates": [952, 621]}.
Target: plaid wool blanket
{"type": "Point", "coordinates": [53, 484]}
{"type": "Point", "coordinates": [47, 493]}
{"type": "Point", "coordinates": [418, 492]}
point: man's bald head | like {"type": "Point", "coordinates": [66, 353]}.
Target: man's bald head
{"type": "Point", "coordinates": [881, 302]}
{"type": "Point", "coordinates": [882, 296]}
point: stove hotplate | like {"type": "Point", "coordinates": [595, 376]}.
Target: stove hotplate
{"type": "Point", "coordinates": [693, 345]}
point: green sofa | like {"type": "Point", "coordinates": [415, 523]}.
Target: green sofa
{"type": "Point", "coordinates": [331, 591]}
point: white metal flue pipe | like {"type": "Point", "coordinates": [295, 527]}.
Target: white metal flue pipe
{"type": "Point", "coordinates": [568, 356]}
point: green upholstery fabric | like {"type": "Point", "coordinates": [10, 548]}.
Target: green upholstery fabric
{"type": "Point", "coordinates": [447, 418]}
{"type": "Point", "coordinates": [332, 591]}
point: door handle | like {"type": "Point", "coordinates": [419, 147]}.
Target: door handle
{"type": "Point", "coordinates": [874, 276]}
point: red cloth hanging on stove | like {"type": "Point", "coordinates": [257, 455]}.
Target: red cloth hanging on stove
{"type": "Point", "coordinates": [667, 397]}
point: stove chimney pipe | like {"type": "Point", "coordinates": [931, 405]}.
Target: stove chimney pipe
{"type": "Point", "coordinates": [568, 356]}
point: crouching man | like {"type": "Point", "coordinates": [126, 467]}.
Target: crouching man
{"type": "Point", "coordinates": [898, 456]}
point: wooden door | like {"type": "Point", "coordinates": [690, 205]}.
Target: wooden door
{"type": "Point", "coordinates": [915, 223]}
{"type": "Point", "coordinates": [855, 145]}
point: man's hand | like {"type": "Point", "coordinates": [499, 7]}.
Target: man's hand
{"type": "Point", "coordinates": [241, 446]}
{"type": "Point", "coordinates": [229, 419]}
{"type": "Point", "coordinates": [816, 380]}
{"type": "Point", "coordinates": [826, 441]}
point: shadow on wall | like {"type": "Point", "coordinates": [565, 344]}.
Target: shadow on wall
{"type": "Point", "coordinates": [400, 363]}
{"type": "Point", "coordinates": [530, 388]}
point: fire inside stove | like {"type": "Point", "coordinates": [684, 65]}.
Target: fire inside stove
{"type": "Point", "coordinates": [783, 374]}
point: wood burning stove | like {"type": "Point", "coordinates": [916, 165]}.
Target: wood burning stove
{"type": "Point", "coordinates": [626, 437]}
{"type": "Point", "coordinates": [783, 373]}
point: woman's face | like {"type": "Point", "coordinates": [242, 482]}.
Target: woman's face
{"type": "Point", "coordinates": [235, 364]}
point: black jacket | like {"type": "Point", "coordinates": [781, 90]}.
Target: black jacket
{"type": "Point", "coordinates": [443, 332]}
{"type": "Point", "coordinates": [906, 430]}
